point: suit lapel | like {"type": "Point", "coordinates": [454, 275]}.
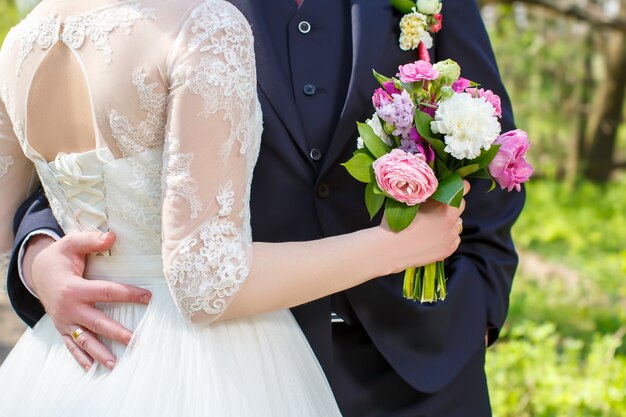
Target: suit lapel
{"type": "Point", "coordinates": [272, 82]}
{"type": "Point", "coordinates": [368, 43]}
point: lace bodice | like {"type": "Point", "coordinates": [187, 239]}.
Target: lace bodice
{"type": "Point", "coordinates": [177, 125]}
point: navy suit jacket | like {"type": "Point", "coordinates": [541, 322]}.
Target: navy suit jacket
{"type": "Point", "coordinates": [296, 198]}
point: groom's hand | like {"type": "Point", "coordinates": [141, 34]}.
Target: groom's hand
{"type": "Point", "coordinates": [54, 269]}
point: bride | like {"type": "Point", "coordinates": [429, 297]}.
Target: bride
{"type": "Point", "coordinates": [140, 118]}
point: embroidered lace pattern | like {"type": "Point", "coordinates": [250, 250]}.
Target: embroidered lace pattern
{"type": "Point", "coordinates": [205, 278]}
{"type": "Point", "coordinates": [223, 76]}
{"type": "Point", "coordinates": [19, 132]}
{"type": "Point", "coordinates": [150, 132]}
{"type": "Point", "coordinates": [141, 214]}
{"type": "Point", "coordinates": [44, 31]}
{"type": "Point", "coordinates": [177, 178]}
{"type": "Point", "coordinates": [5, 163]}
{"type": "Point", "coordinates": [209, 265]}
{"type": "Point", "coordinates": [188, 131]}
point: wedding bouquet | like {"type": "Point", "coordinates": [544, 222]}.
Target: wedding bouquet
{"type": "Point", "coordinates": [431, 128]}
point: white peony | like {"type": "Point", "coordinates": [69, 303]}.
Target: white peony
{"type": "Point", "coordinates": [377, 127]}
{"type": "Point", "coordinates": [468, 123]}
{"type": "Point", "coordinates": [359, 143]}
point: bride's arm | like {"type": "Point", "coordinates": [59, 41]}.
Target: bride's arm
{"type": "Point", "coordinates": [16, 177]}
{"type": "Point", "coordinates": [290, 274]}
{"type": "Point", "coordinates": [212, 268]}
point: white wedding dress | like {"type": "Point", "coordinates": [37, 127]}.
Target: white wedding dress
{"type": "Point", "coordinates": [176, 122]}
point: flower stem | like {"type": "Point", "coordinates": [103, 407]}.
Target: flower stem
{"type": "Point", "coordinates": [426, 284]}
{"type": "Point", "coordinates": [408, 288]}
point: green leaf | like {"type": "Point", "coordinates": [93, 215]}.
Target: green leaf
{"type": "Point", "coordinates": [438, 147]}
{"type": "Point", "coordinates": [482, 173]}
{"type": "Point", "coordinates": [360, 167]}
{"type": "Point", "coordinates": [486, 156]}
{"type": "Point", "coordinates": [422, 123]}
{"type": "Point", "coordinates": [365, 151]}
{"type": "Point", "coordinates": [450, 191]}
{"type": "Point", "coordinates": [441, 169]}
{"type": "Point", "coordinates": [373, 200]}
{"type": "Point", "coordinates": [405, 6]}
{"type": "Point", "coordinates": [372, 142]}
{"type": "Point", "coordinates": [399, 215]}
{"type": "Point", "coordinates": [381, 78]}
{"type": "Point", "coordinates": [377, 189]}
{"type": "Point", "coordinates": [467, 170]}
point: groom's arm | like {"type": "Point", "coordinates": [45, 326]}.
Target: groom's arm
{"type": "Point", "coordinates": [486, 254]}
{"type": "Point", "coordinates": [54, 271]}
{"type": "Point", "coordinates": [33, 218]}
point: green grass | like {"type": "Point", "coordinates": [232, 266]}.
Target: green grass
{"type": "Point", "coordinates": [583, 227]}
{"type": "Point", "coordinates": [562, 353]}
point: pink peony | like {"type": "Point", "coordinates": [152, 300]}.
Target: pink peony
{"type": "Point", "coordinates": [436, 27]}
{"type": "Point", "coordinates": [417, 71]}
{"type": "Point", "coordinates": [488, 95]}
{"type": "Point", "coordinates": [460, 85]}
{"type": "Point", "coordinates": [407, 178]}
{"type": "Point", "coordinates": [509, 168]}
{"type": "Point", "coordinates": [380, 98]}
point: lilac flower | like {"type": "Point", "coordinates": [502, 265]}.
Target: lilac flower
{"type": "Point", "coordinates": [413, 142]}
{"type": "Point", "coordinates": [398, 113]}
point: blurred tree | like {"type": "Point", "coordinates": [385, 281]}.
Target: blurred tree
{"type": "Point", "coordinates": [608, 107]}
{"type": "Point", "coordinates": [598, 102]}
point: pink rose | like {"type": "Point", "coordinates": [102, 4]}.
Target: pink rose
{"type": "Point", "coordinates": [488, 95]}
{"type": "Point", "coordinates": [436, 27]}
{"type": "Point", "coordinates": [407, 178]}
{"type": "Point", "coordinates": [509, 168]}
{"type": "Point", "coordinates": [417, 71]}
{"type": "Point", "coordinates": [380, 98]}
{"type": "Point", "coordinates": [460, 85]}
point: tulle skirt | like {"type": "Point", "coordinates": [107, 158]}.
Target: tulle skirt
{"type": "Point", "coordinates": [258, 366]}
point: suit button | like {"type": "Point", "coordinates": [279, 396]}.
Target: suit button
{"type": "Point", "coordinates": [309, 89]}
{"type": "Point", "coordinates": [304, 27]}
{"type": "Point", "coordinates": [323, 190]}
{"type": "Point", "coordinates": [315, 154]}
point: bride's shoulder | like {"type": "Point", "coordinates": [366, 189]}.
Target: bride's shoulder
{"type": "Point", "coordinates": [217, 12]}
{"type": "Point", "coordinates": [205, 20]}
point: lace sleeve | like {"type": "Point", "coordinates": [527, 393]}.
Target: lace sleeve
{"type": "Point", "coordinates": [210, 149]}
{"type": "Point", "coordinates": [16, 176]}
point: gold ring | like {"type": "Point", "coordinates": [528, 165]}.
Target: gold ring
{"type": "Point", "coordinates": [460, 222]}
{"type": "Point", "coordinates": [76, 333]}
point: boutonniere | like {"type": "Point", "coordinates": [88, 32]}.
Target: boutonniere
{"type": "Point", "coordinates": [420, 20]}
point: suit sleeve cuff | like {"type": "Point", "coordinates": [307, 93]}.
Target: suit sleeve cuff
{"type": "Point", "coordinates": [22, 251]}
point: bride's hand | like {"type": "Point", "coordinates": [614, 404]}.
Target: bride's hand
{"type": "Point", "coordinates": [433, 236]}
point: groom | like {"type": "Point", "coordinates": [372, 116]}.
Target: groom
{"type": "Point", "coordinates": [383, 355]}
